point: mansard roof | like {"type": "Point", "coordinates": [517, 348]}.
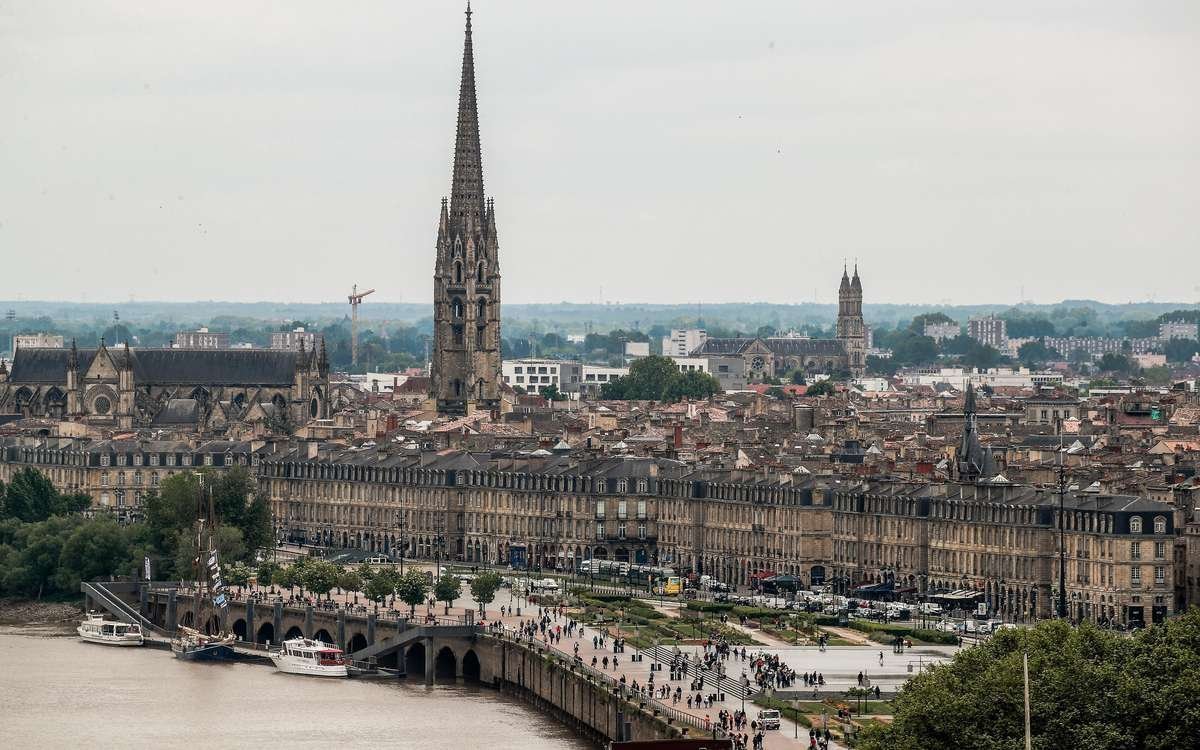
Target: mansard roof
{"type": "Point", "coordinates": [216, 367]}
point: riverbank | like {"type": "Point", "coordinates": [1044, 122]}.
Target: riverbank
{"type": "Point", "coordinates": [32, 617]}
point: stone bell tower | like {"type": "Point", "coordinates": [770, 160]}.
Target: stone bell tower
{"type": "Point", "coordinates": [465, 368]}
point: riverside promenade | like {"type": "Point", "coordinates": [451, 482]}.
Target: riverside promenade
{"type": "Point", "coordinates": [790, 735]}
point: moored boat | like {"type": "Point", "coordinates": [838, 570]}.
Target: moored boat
{"type": "Point", "coordinates": [95, 629]}
{"type": "Point", "coordinates": [192, 645]}
{"type": "Point", "coordinates": [309, 657]}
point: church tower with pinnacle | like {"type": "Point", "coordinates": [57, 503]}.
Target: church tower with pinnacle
{"type": "Point", "coordinates": [851, 330]}
{"type": "Point", "coordinates": [465, 368]}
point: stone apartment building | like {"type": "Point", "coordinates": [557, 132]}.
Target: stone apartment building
{"type": "Point", "coordinates": [988, 542]}
{"type": "Point", "coordinates": [117, 474]}
{"type": "Point", "coordinates": [999, 545]}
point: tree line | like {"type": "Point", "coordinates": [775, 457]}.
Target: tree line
{"type": "Point", "coordinates": [49, 544]}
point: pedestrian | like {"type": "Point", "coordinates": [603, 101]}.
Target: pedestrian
{"type": "Point", "coordinates": [881, 658]}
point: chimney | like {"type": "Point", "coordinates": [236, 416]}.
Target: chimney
{"type": "Point", "coordinates": [678, 435]}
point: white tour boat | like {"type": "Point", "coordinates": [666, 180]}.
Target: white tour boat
{"type": "Point", "coordinates": [306, 656]}
{"type": "Point", "coordinates": [95, 629]}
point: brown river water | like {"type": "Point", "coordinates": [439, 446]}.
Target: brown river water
{"type": "Point", "coordinates": [56, 692]}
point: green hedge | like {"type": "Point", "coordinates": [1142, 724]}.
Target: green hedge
{"type": "Point", "coordinates": [889, 631]}
{"type": "Point", "coordinates": [784, 708]}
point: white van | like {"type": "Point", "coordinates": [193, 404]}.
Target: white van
{"type": "Point", "coordinates": [768, 718]}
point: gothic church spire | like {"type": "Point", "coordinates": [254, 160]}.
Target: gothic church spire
{"type": "Point", "coordinates": [466, 189]}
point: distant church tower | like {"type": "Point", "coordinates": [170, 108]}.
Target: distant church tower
{"type": "Point", "coordinates": [466, 279]}
{"type": "Point", "coordinates": [851, 330]}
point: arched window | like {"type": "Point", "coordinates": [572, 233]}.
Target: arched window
{"type": "Point", "coordinates": [1160, 525]}
{"type": "Point", "coordinates": [481, 309]}
{"type": "Point", "coordinates": [479, 273]}
{"type": "Point", "coordinates": [456, 308]}
{"type": "Point", "coordinates": [457, 272]}
{"type": "Point", "coordinates": [1135, 525]}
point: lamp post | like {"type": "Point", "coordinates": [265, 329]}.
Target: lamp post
{"type": "Point", "coordinates": [1062, 534]}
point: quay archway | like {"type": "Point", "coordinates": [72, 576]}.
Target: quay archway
{"type": "Point", "coordinates": [293, 632]}
{"type": "Point", "coordinates": [323, 636]}
{"type": "Point", "coordinates": [470, 666]}
{"type": "Point", "coordinates": [445, 666]}
{"type": "Point", "coordinates": [414, 660]}
{"type": "Point", "coordinates": [266, 633]}
{"type": "Point", "coordinates": [188, 620]}
{"type": "Point", "coordinates": [357, 643]}
{"type": "Point", "coordinates": [213, 626]}
{"type": "Point", "coordinates": [239, 629]}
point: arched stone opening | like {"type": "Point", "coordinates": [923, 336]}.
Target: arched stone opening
{"type": "Point", "coordinates": [445, 666]}
{"type": "Point", "coordinates": [293, 632]}
{"type": "Point", "coordinates": [213, 625]}
{"type": "Point", "coordinates": [357, 642]}
{"type": "Point", "coordinates": [414, 660]}
{"type": "Point", "coordinates": [188, 620]}
{"type": "Point", "coordinates": [239, 629]}
{"type": "Point", "coordinates": [470, 666]}
{"type": "Point", "coordinates": [266, 633]}
{"type": "Point", "coordinates": [323, 636]}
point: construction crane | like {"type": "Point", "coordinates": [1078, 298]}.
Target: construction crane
{"type": "Point", "coordinates": [355, 300]}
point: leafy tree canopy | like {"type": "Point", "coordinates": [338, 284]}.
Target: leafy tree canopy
{"type": "Point", "coordinates": [656, 378]}
{"type": "Point", "coordinates": [484, 588]}
{"type": "Point", "coordinates": [1089, 688]}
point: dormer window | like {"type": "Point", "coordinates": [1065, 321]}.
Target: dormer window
{"type": "Point", "coordinates": [1135, 525]}
{"type": "Point", "coordinates": [1160, 525]}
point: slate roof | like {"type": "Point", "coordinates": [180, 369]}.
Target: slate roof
{"type": "Point", "coordinates": [166, 366]}
{"type": "Point", "coordinates": [784, 347]}
{"type": "Point", "coordinates": [178, 411]}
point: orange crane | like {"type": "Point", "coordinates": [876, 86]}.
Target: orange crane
{"type": "Point", "coordinates": [355, 300]}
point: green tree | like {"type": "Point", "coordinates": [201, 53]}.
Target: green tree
{"type": "Point", "coordinates": [30, 496]}
{"type": "Point", "coordinates": [551, 393]}
{"type": "Point", "coordinates": [265, 574]}
{"type": "Point", "coordinates": [411, 588]}
{"type": "Point", "coordinates": [918, 323]}
{"type": "Point", "coordinates": [483, 589]}
{"type": "Point", "coordinates": [95, 549]}
{"type": "Point", "coordinates": [1035, 353]}
{"type": "Point", "coordinates": [1180, 350]}
{"type": "Point", "coordinates": [350, 580]}
{"type": "Point", "coordinates": [237, 573]}
{"type": "Point", "coordinates": [692, 385]}
{"type": "Point", "coordinates": [448, 589]}
{"type": "Point", "coordinates": [321, 576]}
{"type": "Point", "coordinates": [381, 585]}
{"type": "Point", "coordinates": [229, 544]}
{"type": "Point", "coordinates": [656, 378]}
{"type": "Point", "coordinates": [1117, 363]}
{"type": "Point", "coordinates": [909, 348]}
{"type": "Point", "coordinates": [881, 366]}
{"type": "Point", "coordinates": [823, 388]}
{"type": "Point", "coordinates": [1089, 688]}
{"type": "Point", "coordinates": [40, 546]}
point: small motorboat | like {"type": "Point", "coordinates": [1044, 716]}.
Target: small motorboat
{"type": "Point", "coordinates": [314, 658]}
{"type": "Point", "coordinates": [95, 629]}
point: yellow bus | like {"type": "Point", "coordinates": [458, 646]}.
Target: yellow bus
{"type": "Point", "coordinates": [671, 586]}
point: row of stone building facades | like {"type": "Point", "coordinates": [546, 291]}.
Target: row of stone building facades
{"type": "Point", "coordinates": [992, 543]}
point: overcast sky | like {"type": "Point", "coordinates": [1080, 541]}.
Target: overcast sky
{"type": "Point", "coordinates": [665, 151]}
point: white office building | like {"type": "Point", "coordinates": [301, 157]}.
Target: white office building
{"type": "Point", "coordinates": [683, 341]}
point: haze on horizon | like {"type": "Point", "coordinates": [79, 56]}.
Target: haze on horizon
{"type": "Point", "coordinates": [963, 152]}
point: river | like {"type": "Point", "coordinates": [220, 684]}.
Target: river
{"type": "Point", "coordinates": [57, 692]}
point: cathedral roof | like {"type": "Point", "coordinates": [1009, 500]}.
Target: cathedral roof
{"type": "Point", "coordinates": [166, 366]}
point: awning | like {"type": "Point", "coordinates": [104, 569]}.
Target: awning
{"type": "Point", "coordinates": [876, 588]}
{"type": "Point", "coordinates": [958, 595]}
